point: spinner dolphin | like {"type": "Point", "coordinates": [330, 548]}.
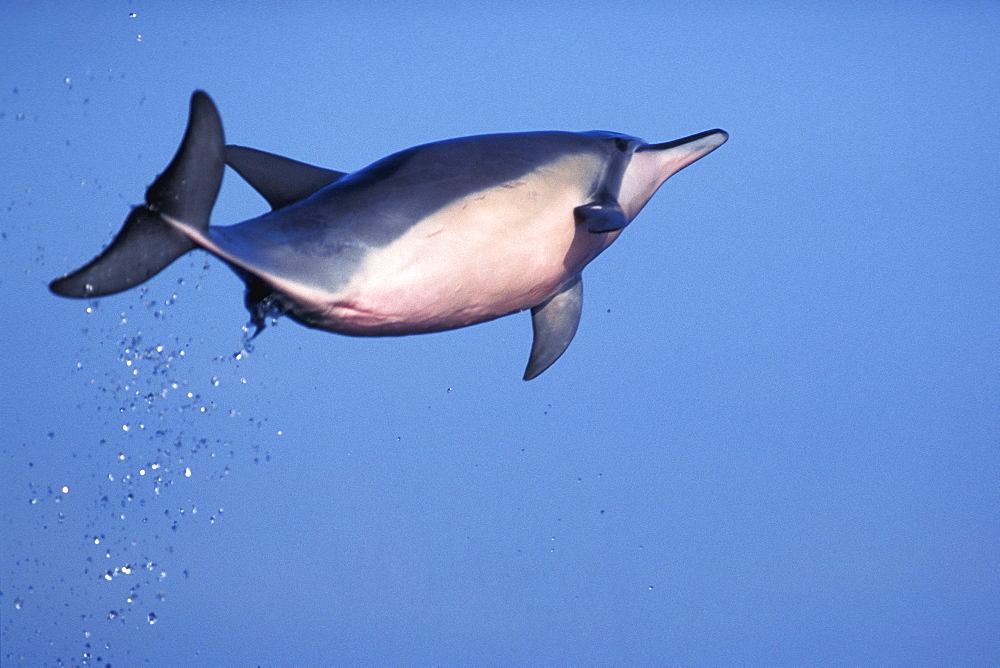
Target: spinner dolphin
{"type": "Point", "coordinates": [436, 237]}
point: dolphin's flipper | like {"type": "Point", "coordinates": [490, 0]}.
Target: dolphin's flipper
{"type": "Point", "coordinates": [554, 322]}
{"type": "Point", "coordinates": [185, 192]}
{"type": "Point", "coordinates": [601, 215]}
{"type": "Point", "coordinates": [281, 181]}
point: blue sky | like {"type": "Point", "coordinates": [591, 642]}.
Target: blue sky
{"type": "Point", "coordinates": [773, 440]}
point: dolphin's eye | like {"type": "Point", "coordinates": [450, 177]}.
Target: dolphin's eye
{"type": "Point", "coordinates": [621, 144]}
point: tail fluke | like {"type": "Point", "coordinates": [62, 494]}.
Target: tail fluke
{"type": "Point", "coordinates": [145, 245]}
{"type": "Point", "coordinates": [185, 192]}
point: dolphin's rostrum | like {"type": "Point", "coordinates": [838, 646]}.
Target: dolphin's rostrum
{"type": "Point", "coordinates": [432, 238]}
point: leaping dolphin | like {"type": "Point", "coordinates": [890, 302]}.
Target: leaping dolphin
{"type": "Point", "coordinates": [436, 237]}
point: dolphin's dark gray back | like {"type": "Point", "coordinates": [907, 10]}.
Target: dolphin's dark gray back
{"type": "Point", "coordinates": [377, 204]}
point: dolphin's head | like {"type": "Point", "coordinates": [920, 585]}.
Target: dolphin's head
{"type": "Point", "coordinates": [652, 164]}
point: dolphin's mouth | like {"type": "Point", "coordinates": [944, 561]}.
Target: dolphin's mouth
{"type": "Point", "coordinates": [709, 141]}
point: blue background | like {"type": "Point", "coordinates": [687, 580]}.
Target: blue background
{"type": "Point", "coordinates": [774, 439]}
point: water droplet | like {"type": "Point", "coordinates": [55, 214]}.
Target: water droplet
{"type": "Point", "coordinates": [152, 618]}
{"type": "Point", "coordinates": [18, 603]}
{"type": "Point", "coordinates": [112, 614]}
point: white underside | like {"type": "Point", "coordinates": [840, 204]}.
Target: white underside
{"type": "Point", "coordinates": [495, 252]}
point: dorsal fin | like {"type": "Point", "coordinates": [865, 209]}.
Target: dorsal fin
{"type": "Point", "coordinates": [281, 181]}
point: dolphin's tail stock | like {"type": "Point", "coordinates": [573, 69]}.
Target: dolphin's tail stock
{"type": "Point", "coordinates": [184, 193]}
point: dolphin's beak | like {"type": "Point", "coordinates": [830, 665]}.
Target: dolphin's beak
{"type": "Point", "coordinates": [695, 146]}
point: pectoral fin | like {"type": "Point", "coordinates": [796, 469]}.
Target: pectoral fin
{"type": "Point", "coordinates": [554, 322]}
{"type": "Point", "coordinates": [601, 215]}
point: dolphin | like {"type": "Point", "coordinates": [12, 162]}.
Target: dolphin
{"type": "Point", "coordinates": [435, 237]}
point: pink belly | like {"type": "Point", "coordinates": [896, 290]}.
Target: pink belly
{"type": "Point", "coordinates": [445, 275]}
